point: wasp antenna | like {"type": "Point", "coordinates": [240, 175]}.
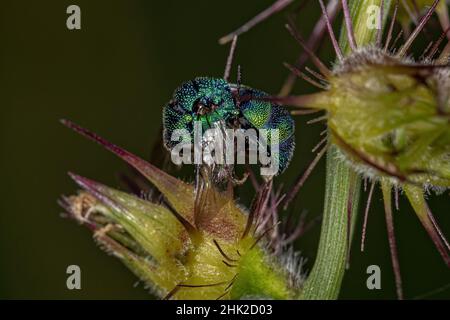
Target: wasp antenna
{"type": "Point", "coordinates": [226, 74]}
{"type": "Point", "coordinates": [386, 188]}
{"type": "Point", "coordinates": [335, 43]}
{"type": "Point", "coordinates": [391, 27]}
{"type": "Point", "coordinates": [404, 49]}
{"type": "Point", "coordinates": [305, 77]}
{"type": "Point", "coordinates": [349, 25]}
{"type": "Point", "coordinates": [380, 30]}
{"type": "Point", "coordinates": [274, 8]}
{"type": "Point", "coordinates": [319, 64]}
{"type": "Point", "coordinates": [313, 44]}
{"type": "Point", "coordinates": [366, 216]}
{"type": "Point", "coordinates": [302, 178]}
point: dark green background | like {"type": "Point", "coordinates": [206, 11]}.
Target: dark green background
{"type": "Point", "coordinates": [114, 76]}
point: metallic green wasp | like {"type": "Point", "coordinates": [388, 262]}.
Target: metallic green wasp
{"type": "Point", "coordinates": [214, 102]}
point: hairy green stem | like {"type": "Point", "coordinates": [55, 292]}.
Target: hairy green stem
{"type": "Point", "coordinates": [342, 184]}
{"type": "Point", "coordinates": [325, 279]}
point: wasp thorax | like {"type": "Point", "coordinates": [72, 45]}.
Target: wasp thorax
{"type": "Point", "coordinates": [391, 117]}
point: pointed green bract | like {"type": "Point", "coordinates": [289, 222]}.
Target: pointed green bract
{"type": "Point", "coordinates": [178, 251]}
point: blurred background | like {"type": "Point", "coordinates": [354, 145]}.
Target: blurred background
{"type": "Point", "coordinates": [114, 76]}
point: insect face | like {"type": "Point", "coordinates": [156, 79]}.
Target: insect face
{"type": "Point", "coordinates": [207, 100]}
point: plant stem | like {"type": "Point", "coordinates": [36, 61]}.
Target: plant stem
{"type": "Point", "coordinates": [342, 192]}
{"type": "Point", "coordinates": [325, 279]}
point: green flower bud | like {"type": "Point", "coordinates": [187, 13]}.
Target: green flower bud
{"type": "Point", "coordinates": [183, 249]}
{"type": "Point", "coordinates": [391, 117]}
